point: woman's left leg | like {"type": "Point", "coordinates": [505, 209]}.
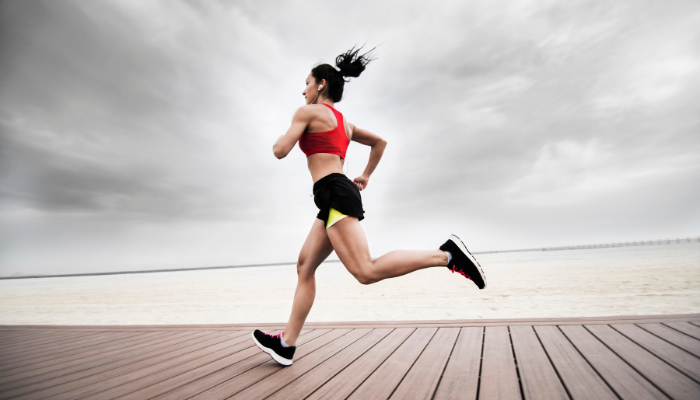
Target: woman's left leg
{"type": "Point", "coordinates": [350, 244]}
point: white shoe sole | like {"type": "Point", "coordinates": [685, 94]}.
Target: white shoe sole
{"type": "Point", "coordinates": [466, 252]}
{"type": "Point", "coordinates": [272, 354]}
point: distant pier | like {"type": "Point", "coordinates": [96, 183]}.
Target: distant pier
{"type": "Point", "coordinates": [602, 245]}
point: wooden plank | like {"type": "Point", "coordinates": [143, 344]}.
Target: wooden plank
{"type": "Point", "coordinates": [57, 356]}
{"type": "Point", "coordinates": [345, 382]}
{"type": "Point", "coordinates": [579, 378]}
{"type": "Point", "coordinates": [499, 379]}
{"type": "Point", "coordinates": [33, 336]}
{"type": "Point", "coordinates": [625, 381]}
{"type": "Point", "coordinates": [665, 377]}
{"type": "Point", "coordinates": [422, 379]}
{"type": "Point", "coordinates": [191, 383]}
{"type": "Point", "coordinates": [154, 374]}
{"type": "Point", "coordinates": [285, 376]}
{"type": "Point", "coordinates": [146, 367]}
{"type": "Point", "coordinates": [86, 377]}
{"type": "Point", "coordinates": [261, 371]}
{"type": "Point", "coordinates": [48, 345]}
{"type": "Point", "coordinates": [538, 378]}
{"type": "Point", "coordinates": [63, 363]}
{"type": "Point", "coordinates": [461, 377]}
{"type": "Point", "coordinates": [314, 378]}
{"type": "Point", "coordinates": [383, 381]}
{"type": "Point", "coordinates": [685, 327]}
{"type": "Point", "coordinates": [58, 347]}
{"type": "Point", "coordinates": [685, 342]}
{"type": "Point", "coordinates": [678, 358]}
{"type": "Point", "coordinates": [21, 337]}
{"type": "Point", "coordinates": [54, 375]}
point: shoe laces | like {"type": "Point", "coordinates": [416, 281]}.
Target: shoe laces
{"type": "Point", "coordinates": [459, 271]}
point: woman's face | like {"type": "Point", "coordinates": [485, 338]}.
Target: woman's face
{"type": "Point", "coordinates": [311, 90]}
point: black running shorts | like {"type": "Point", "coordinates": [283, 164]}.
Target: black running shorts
{"type": "Point", "coordinates": [339, 192]}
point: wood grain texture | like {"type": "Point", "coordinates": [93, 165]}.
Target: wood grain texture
{"type": "Point", "coordinates": [438, 359]}
{"type": "Point", "coordinates": [685, 327]}
{"type": "Point", "coordinates": [98, 375]}
{"type": "Point", "coordinates": [499, 378]}
{"type": "Point", "coordinates": [579, 378]}
{"type": "Point", "coordinates": [461, 377]}
{"type": "Point", "coordinates": [538, 378]}
{"type": "Point", "coordinates": [314, 378]}
{"type": "Point", "coordinates": [283, 377]}
{"type": "Point", "coordinates": [63, 366]}
{"type": "Point", "coordinates": [92, 369]}
{"type": "Point", "coordinates": [422, 379]}
{"type": "Point", "coordinates": [270, 367]}
{"type": "Point", "coordinates": [383, 381]}
{"type": "Point", "coordinates": [679, 339]}
{"type": "Point", "coordinates": [211, 375]}
{"type": "Point", "coordinates": [665, 377]}
{"type": "Point", "coordinates": [627, 383]}
{"type": "Point", "coordinates": [345, 382]}
{"type": "Point", "coordinates": [673, 355]}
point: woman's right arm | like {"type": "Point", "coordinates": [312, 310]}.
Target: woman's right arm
{"type": "Point", "coordinates": [286, 142]}
{"type": "Point", "coordinates": [377, 145]}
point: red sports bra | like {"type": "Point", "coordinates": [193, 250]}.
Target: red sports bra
{"type": "Point", "coordinates": [334, 141]}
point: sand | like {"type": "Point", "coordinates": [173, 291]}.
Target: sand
{"type": "Point", "coordinates": [573, 283]}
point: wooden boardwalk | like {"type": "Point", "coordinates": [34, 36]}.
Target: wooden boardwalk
{"type": "Point", "coordinates": [647, 357]}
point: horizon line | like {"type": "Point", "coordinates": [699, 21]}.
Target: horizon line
{"type": "Point", "coordinates": [554, 248]}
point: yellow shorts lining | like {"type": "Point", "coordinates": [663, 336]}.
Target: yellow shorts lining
{"type": "Point", "coordinates": [333, 217]}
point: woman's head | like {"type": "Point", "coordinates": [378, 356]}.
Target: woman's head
{"type": "Point", "coordinates": [329, 82]}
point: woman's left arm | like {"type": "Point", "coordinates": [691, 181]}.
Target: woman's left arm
{"type": "Point", "coordinates": [377, 144]}
{"type": "Point", "coordinates": [286, 142]}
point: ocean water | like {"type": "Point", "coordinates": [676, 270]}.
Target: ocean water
{"type": "Point", "coordinates": [645, 280]}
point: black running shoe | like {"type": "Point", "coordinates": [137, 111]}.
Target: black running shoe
{"type": "Point", "coordinates": [271, 345]}
{"type": "Point", "coordinates": [463, 262]}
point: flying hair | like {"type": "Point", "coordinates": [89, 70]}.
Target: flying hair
{"type": "Point", "coordinates": [349, 64]}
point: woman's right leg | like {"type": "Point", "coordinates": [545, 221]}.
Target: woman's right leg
{"type": "Point", "coordinates": [316, 249]}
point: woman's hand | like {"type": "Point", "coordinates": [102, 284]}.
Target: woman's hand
{"type": "Point", "coordinates": [361, 181]}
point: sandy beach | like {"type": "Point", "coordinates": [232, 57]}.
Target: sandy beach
{"type": "Point", "coordinates": [572, 283]}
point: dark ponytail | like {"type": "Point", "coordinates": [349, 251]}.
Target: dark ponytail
{"type": "Point", "coordinates": [350, 64]}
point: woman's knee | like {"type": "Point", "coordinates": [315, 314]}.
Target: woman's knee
{"type": "Point", "coordinates": [304, 270]}
{"type": "Point", "coordinates": [364, 274]}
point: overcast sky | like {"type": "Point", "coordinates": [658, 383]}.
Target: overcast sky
{"type": "Point", "coordinates": [138, 134]}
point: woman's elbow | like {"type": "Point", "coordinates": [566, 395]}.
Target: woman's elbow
{"type": "Point", "coordinates": [279, 154]}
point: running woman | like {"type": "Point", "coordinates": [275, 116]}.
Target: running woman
{"type": "Point", "coordinates": [324, 134]}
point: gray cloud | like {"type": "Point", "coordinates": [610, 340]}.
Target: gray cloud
{"type": "Point", "coordinates": [514, 123]}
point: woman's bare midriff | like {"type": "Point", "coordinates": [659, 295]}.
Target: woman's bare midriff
{"type": "Point", "coordinates": [322, 164]}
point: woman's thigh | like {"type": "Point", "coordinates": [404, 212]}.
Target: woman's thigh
{"type": "Point", "coordinates": [350, 244]}
{"type": "Point", "coordinates": [315, 250]}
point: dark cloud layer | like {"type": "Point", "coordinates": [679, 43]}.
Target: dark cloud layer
{"type": "Point", "coordinates": [143, 129]}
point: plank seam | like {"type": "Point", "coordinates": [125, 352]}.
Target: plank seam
{"type": "Point", "coordinates": [556, 371]}
{"type": "Point", "coordinates": [446, 362]}
{"type": "Point", "coordinates": [628, 363]}
{"type": "Point", "coordinates": [414, 363]}
{"type": "Point", "coordinates": [655, 355]}
{"type": "Point", "coordinates": [230, 377]}
{"type": "Point", "coordinates": [258, 381]}
{"type": "Point", "coordinates": [481, 361]}
{"type": "Point", "coordinates": [382, 363]}
{"type": "Point", "coordinates": [668, 341]}
{"type": "Point", "coordinates": [348, 364]}
{"type": "Point", "coordinates": [517, 368]}
{"type": "Point", "coordinates": [695, 323]}
{"type": "Point", "coordinates": [215, 342]}
{"type": "Point", "coordinates": [189, 370]}
{"type": "Point", "coordinates": [677, 330]}
{"type": "Point", "coordinates": [590, 364]}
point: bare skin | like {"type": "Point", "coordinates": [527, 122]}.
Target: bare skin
{"type": "Point", "coordinates": [346, 236]}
